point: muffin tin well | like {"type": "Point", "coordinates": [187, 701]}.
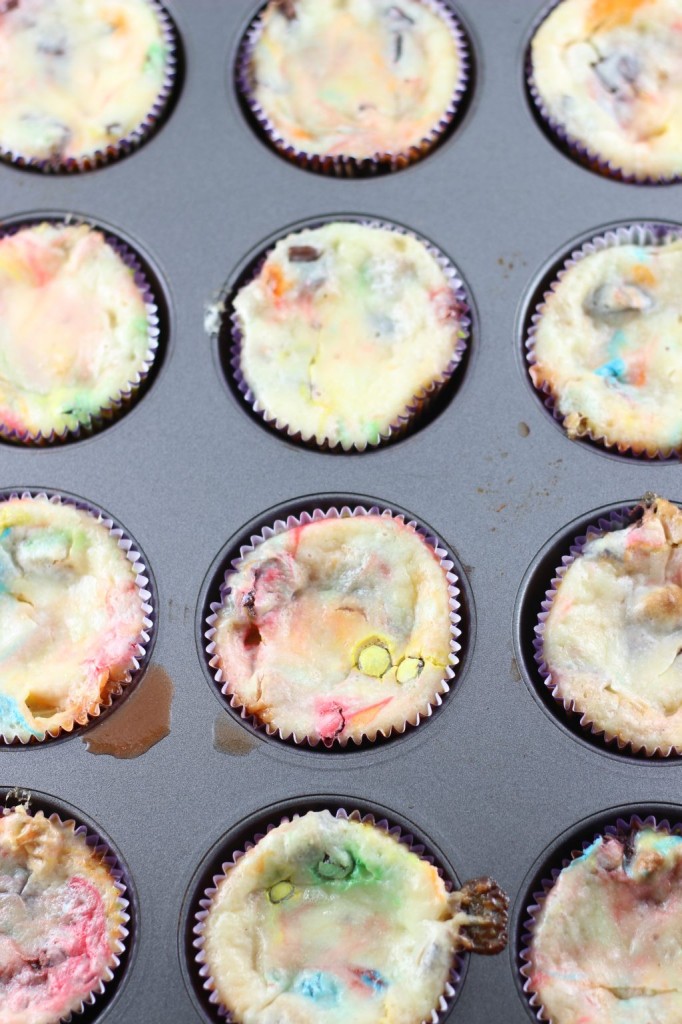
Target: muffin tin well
{"type": "Point", "coordinates": [211, 591]}
{"type": "Point", "coordinates": [150, 280]}
{"type": "Point", "coordinates": [542, 283]}
{"type": "Point", "coordinates": [534, 587]}
{"type": "Point", "coordinates": [105, 1003]}
{"type": "Point", "coordinates": [559, 853]}
{"type": "Point", "coordinates": [220, 327]}
{"type": "Point", "coordinates": [244, 833]}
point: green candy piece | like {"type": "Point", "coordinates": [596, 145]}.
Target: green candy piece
{"type": "Point", "coordinates": [340, 865]}
{"type": "Point", "coordinates": [280, 892]}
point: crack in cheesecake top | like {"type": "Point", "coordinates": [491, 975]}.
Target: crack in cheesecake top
{"type": "Point", "coordinates": [613, 635]}
{"type": "Point", "coordinates": [357, 78]}
{"type": "Point", "coordinates": [328, 920]}
{"type": "Point", "coordinates": [337, 629]}
{"type": "Point", "coordinates": [610, 73]}
{"type": "Point", "coordinates": [344, 328]}
{"type": "Point", "coordinates": [608, 346]}
{"type": "Point", "coordinates": [77, 76]}
{"type": "Point", "coordinates": [61, 919]}
{"type": "Point", "coordinates": [71, 617]}
{"type": "Point", "coordinates": [74, 329]}
{"type": "Point", "coordinates": [605, 944]}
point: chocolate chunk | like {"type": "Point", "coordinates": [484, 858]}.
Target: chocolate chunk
{"type": "Point", "coordinates": [287, 7]}
{"type": "Point", "coordinates": [9, 5]}
{"type": "Point", "coordinates": [486, 905]}
{"type": "Point", "coordinates": [629, 848]}
{"type": "Point", "coordinates": [303, 254]}
{"type": "Point", "coordinates": [249, 601]}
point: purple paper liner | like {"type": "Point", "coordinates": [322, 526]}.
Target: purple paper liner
{"type": "Point", "coordinates": [130, 142]}
{"type": "Point", "coordinates": [616, 520]}
{"type": "Point", "coordinates": [420, 400]}
{"type": "Point", "coordinates": [567, 143]}
{"type": "Point", "coordinates": [293, 522]}
{"type": "Point", "coordinates": [120, 690]}
{"type": "Point", "coordinates": [117, 872]}
{"type": "Point", "coordinates": [121, 402]}
{"type": "Point", "coordinates": [532, 911]}
{"type": "Point", "coordinates": [642, 233]}
{"type": "Point", "coordinates": [345, 166]}
{"type": "Point", "coordinates": [452, 987]}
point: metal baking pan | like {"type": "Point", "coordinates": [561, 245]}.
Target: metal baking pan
{"type": "Point", "coordinates": [494, 778]}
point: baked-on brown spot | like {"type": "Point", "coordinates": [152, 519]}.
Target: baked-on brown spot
{"type": "Point", "coordinates": [141, 722]}
{"type": "Point", "coordinates": [287, 7]}
{"type": "Point", "coordinates": [486, 906]}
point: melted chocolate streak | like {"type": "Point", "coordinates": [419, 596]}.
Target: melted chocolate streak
{"type": "Point", "coordinates": [484, 901]}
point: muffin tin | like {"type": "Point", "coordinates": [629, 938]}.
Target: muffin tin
{"type": "Point", "coordinates": [489, 780]}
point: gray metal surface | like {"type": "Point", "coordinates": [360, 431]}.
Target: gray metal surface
{"type": "Point", "coordinates": [491, 779]}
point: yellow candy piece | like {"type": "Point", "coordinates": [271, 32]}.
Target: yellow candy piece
{"type": "Point", "coordinates": [280, 892]}
{"type": "Point", "coordinates": [408, 669]}
{"type": "Point", "coordinates": [374, 660]}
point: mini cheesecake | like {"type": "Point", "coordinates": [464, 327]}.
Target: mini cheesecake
{"type": "Point", "coordinates": [607, 346]}
{"type": "Point", "coordinates": [613, 633]}
{"type": "Point", "coordinates": [62, 919]}
{"type": "Point", "coordinates": [71, 617]}
{"type": "Point", "coordinates": [346, 331]}
{"type": "Point", "coordinates": [608, 75]}
{"type": "Point", "coordinates": [78, 78]}
{"type": "Point", "coordinates": [338, 629]}
{"type": "Point", "coordinates": [358, 79]}
{"type": "Point", "coordinates": [604, 945]}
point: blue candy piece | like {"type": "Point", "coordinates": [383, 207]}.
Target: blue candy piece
{"type": "Point", "coordinates": [615, 369]}
{"type": "Point", "coordinates": [320, 987]}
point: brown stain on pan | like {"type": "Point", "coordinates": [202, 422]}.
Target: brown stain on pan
{"type": "Point", "coordinates": [140, 723]}
{"type": "Point", "coordinates": [230, 738]}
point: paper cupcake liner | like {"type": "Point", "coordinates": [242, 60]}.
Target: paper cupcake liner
{"type": "Point", "coordinates": [115, 150]}
{"type": "Point", "coordinates": [621, 829]}
{"type": "Point", "coordinates": [647, 233]}
{"type": "Point", "coordinates": [293, 522]}
{"type": "Point", "coordinates": [104, 853]}
{"type": "Point", "coordinates": [419, 401]}
{"type": "Point", "coordinates": [580, 151]}
{"type": "Point", "coordinates": [349, 166]}
{"type": "Point", "coordinates": [119, 403]}
{"type": "Point", "coordinates": [616, 520]}
{"type": "Point", "coordinates": [115, 691]}
{"type": "Point", "coordinates": [448, 995]}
